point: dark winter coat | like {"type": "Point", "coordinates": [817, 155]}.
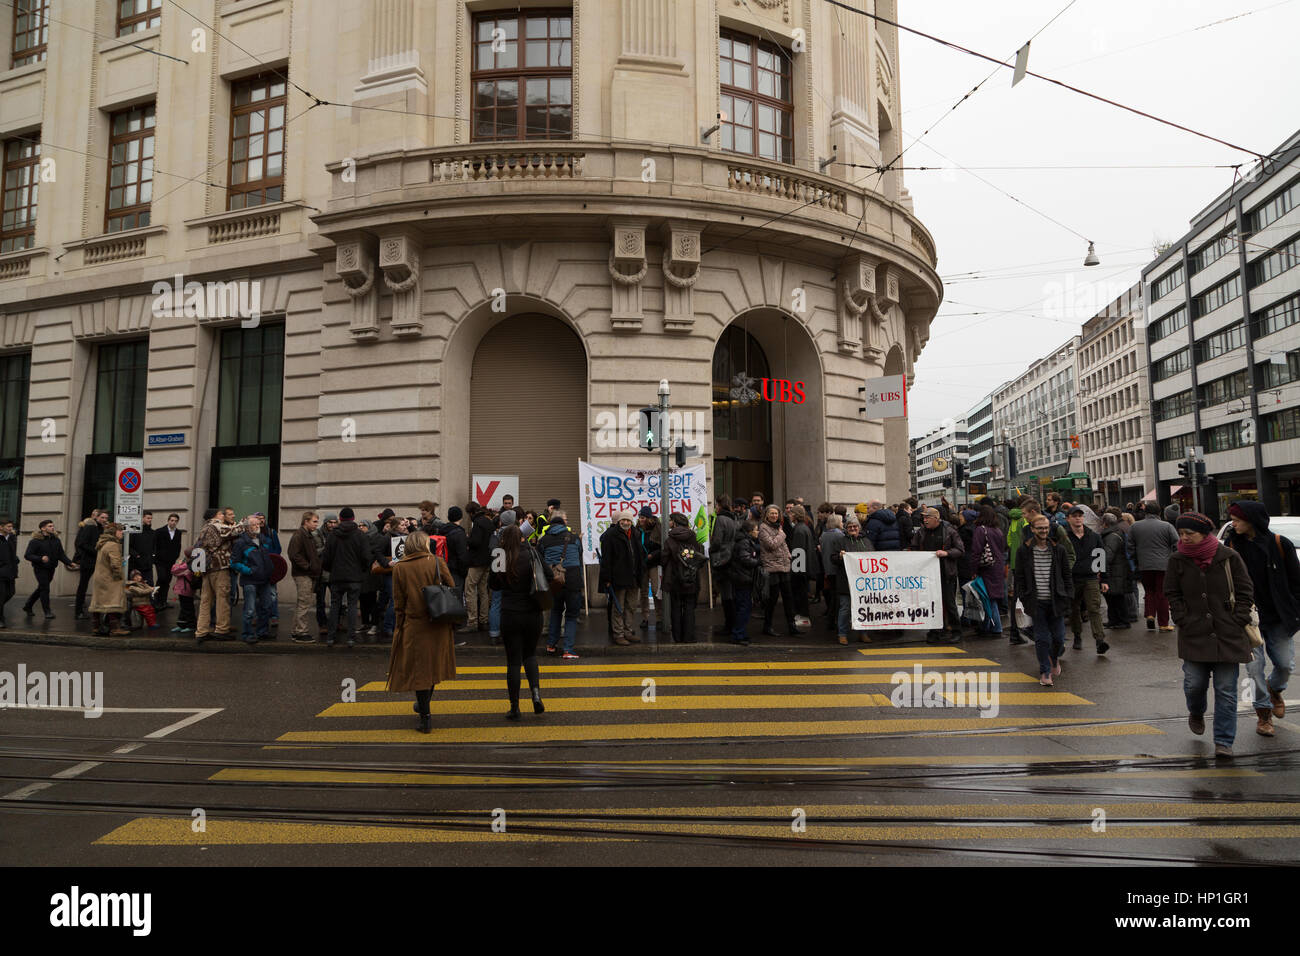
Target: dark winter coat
{"type": "Point", "coordinates": [744, 560]}
{"type": "Point", "coordinates": [480, 542]}
{"type": "Point", "coordinates": [802, 538]}
{"type": "Point", "coordinates": [1118, 574]}
{"type": "Point", "coordinates": [252, 560]}
{"type": "Point", "coordinates": [1062, 587]}
{"type": "Point", "coordinates": [167, 549]}
{"type": "Point", "coordinates": [993, 575]}
{"type": "Point", "coordinates": [44, 545]}
{"type": "Point", "coordinates": [849, 545]}
{"type": "Point", "coordinates": [831, 544]}
{"type": "Point", "coordinates": [1273, 566]}
{"type": "Point", "coordinates": [683, 549]}
{"type": "Point", "coordinates": [883, 531]}
{"type": "Point", "coordinates": [8, 557]}
{"type": "Point", "coordinates": [966, 563]}
{"type": "Point", "coordinates": [648, 540]}
{"type": "Point", "coordinates": [1085, 550]}
{"type": "Point", "coordinates": [376, 546]}
{"type": "Point", "coordinates": [142, 545]}
{"type": "Point", "coordinates": [948, 539]}
{"type": "Point", "coordinates": [1208, 630]}
{"type": "Point", "coordinates": [1153, 542]}
{"type": "Point", "coordinates": [907, 526]}
{"type": "Point", "coordinates": [83, 545]}
{"type": "Point", "coordinates": [347, 555]}
{"type": "Point", "coordinates": [516, 588]}
{"type": "Point", "coordinates": [457, 548]}
{"type": "Point", "coordinates": [622, 561]}
{"type": "Point", "coordinates": [722, 542]}
{"type": "Point", "coordinates": [303, 559]}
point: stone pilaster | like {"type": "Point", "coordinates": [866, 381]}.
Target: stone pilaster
{"type": "Point", "coordinates": [355, 264]}
{"type": "Point", "coordinates": [394, 62]}
{"type": "Point", "coordinates": [399, 258]}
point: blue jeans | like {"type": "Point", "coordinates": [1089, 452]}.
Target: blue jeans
{"type": "Point", "coordinates": [1049, 636]}
{"type": "Point", "coordinates": [1196, 681]}
{"type": "Point", "coordinates": [1279, 647]}
{"type": "Point", "coordinates": [257, 609]}
{"type": "Point", "coordinates": [386, 596]}
{"type": "Point", "coordinates": [744, 598]}
{"type": "Point", "coordinates": [567, 606]}
{"type": "Point", "coordinates": [494, 615]}
{"type": "Point", "coordinates": [843, 616]}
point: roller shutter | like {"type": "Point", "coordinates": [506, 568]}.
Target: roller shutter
{"type": "Point", "coordinates": [528, 408]}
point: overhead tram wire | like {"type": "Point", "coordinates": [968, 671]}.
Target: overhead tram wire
{"type": "Point", "coordinates": [1082, 92]}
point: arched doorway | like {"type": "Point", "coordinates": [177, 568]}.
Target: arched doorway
{"type": "Point", "coordinates": [742, 421]}
{"type": "Point", "coordinates": [528, 407]}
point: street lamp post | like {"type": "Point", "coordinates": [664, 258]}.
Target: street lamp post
{"type": "Point", "coordinates": [664, 444]}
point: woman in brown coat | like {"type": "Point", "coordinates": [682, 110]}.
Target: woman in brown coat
{"type": "Point", "coordinates": [424, 652]}
{"type": "Point", "coordinates": [1210, 596]}
{"type": "Point", "coordinates": [108, 597]}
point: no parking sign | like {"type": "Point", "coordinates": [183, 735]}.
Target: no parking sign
{"type": "Point", "coordinates": [129, 492]}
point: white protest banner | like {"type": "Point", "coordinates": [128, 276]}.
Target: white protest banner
{"type": "Point", "coordinates": [894, 589]}
{"type": "Point", "coordinates": [607, 491]}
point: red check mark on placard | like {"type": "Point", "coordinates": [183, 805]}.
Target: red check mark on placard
{"type": "Point", "coordinates": [483, 496]}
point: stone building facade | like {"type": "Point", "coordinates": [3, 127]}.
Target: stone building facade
{"type": "Point", "coordinates": [474, 234]}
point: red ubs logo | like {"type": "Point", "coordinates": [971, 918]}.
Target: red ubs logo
{"type": "Point", "coordinates": [783, 390]}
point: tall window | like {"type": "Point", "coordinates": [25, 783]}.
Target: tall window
{"type": "Point", "coordinates": [121, 383]}
{"type": "Point", "coordinates": [523, 97]}
{"type": "Point", "coordinates": [22, 173]}
{"type": "Point", "coordinates": [130, 168]}
{"type": "Point", "coordinates": [31, 31]}
{"type": "Point", "coordinates": [136, 15]}
{"type": "Point", "coordinates": [246, 461]}
{"type": "Point", "coordinates": [15, 375]}
{"type": "Point", "coordinates": [257, 142]}
{"type": "Point", "coordinates": [757, 103]}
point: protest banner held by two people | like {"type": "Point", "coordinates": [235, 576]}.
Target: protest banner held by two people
{"type": "Point", "coordinates": [894, 590]}
{"type": "Point", "coordinates": [608, 491]}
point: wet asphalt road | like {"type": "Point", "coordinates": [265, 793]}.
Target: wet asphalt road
{"type": "Point", "coordinates": [737, 757]}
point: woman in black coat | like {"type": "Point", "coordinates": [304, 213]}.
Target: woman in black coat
{"type": "Point", "coordinates": [521, 616]}
{"type": "Point", "coordinates": [744, 562]}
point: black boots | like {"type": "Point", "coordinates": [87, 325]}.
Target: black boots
{"type": "Point", "coordinates": [514, 708]}
{"type": "Point", "coordinates": [538, 707]}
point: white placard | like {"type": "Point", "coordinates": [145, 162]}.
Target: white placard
{"type": "Point", "coordinates": [886, 397]}
{"type": "Point", "coordinates": [894, 589]}
{"type": "Point", "coordinates": [490, 489]}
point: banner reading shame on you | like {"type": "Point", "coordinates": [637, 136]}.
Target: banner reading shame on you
{"type": "Point", "coordinates": [894, 589]}
{"type": "Point", "coordinates": [607, 491]}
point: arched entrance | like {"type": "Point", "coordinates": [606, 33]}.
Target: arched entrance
{"type": "Point", "coordinates": [765, 444]}
{"type": "Point", "coordinates": [528, 407]}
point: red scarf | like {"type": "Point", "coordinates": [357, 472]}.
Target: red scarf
{"type": "Point", "coordinates": [1202, 553]}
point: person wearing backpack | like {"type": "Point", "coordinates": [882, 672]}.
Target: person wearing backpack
{"type": "Point", "coordinates": [683, 567]}
{"type": "Point", "coordinates": [562, 553]}
{"type": "Point", "coordinates": [522, 604]}
{"type": "Point", "coordinates": [744, 562]}
{"type": "Point", "coordinates": [721, 553]}
{"type": "Point", "coordinates": [252, 560]}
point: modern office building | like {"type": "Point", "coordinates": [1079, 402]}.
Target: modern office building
{"type": "Point", "coordinates": [979, 425]}
{"type": "Point", "coordinates": [1115, 427]}
{"type": "Point", "coordinates": [297, 260]}
{"type": "Point", "coordinates": [947, 443]}
{"type": "Point", "coordinates": [1037, 415]}
{"type": "Point", "coordinates": [1223, 333]}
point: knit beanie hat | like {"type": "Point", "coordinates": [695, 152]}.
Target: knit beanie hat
{"type": "Point", "coordinates": [454, 514]}
{"type": "Point", "coordinates": [1195, 521]}
{"type": "Point", "coordinates": [970, 514]}
{"type": "Point", "coordinates": [861, 508]}
{"type": "Point", "coordinates": [331, 516]}
{"type": "Point", "coordinates": [347, 514]}
{"type": "Point", "coordinates": [507, 518]}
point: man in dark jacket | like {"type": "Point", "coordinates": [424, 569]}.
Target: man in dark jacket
{"type": "Point", "coordinates": [305, 569]}
{"type": "Point", "coordinates": [1275, 575]}
{"type": "Point", "coordinates": [142, 542]}
{"type": "Point", "coordinates": [83, 552]}
{"type": "Point", "coordinates": [8, 564]}
{"type": "Point", "coordinates": [1154, 541]}
{"type": "Point", "coordinates": [1087, 568]}
{"type": "Point", "coordinates": [561, 548]}
{"type": "Point", "coordinates": [939, 536]}
{"type": "Point", "coordinates": [457, 546]}
{"type": "Point", "coordinates": [252, 560]}
{"type": "Point", "coordinates": [683, 564]}
{"type": "Point", "coordinates": [166, 552]}
{"type": "Point", "coordinates": [621, 565]}
{"type": "Point", "coordinates": [478, 559]}
{"type": "Point", "coordinates": [882, 528]}
{"type": "Point", "coordinates": [45, 552]}
{"type": "Point", "coordinates": [722, 545]}
{"type": "Point", "coordinates": [1045, 586]}
{"type": "Point", "coordinates": [347, 559]}
{"type": "Point", "coordinates": [646, 535]}
{"type": "Point", "coordinates": [1118, 572]}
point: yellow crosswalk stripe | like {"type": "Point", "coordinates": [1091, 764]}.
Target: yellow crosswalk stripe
{"type": "Point", "coordinates": [899, 661]}
{"type": "Point", "coordinates": [697, 680]}
{"type": "Point", "coordinates": [660, 730]}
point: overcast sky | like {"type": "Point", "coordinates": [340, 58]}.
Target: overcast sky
{"type": "Point", "coordinates": [1236, 80]}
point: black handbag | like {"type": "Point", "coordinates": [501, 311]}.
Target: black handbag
{"type": "Point", "coordinates": [541, 589]}
{"type": "Point", "coordinates": [444, 604]}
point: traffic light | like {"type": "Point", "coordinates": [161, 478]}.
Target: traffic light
{"type": "Point", "coordinates": [681, 455]}
{"type": "Point", "coordinates": [1182, 469]}
{"type": "Point", "coordinates": [947, 482]}
{"type": "Point", "coordinates": [959, 469]}
{"type": "Point", "coordinates": [1011, 462]}
{"type": "Point", "coordinates": [649, 428]}
{"type": "Point", "coordinates": [1200, 471]}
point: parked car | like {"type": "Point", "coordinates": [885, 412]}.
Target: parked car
{"type": "Point", "coordinates": [1288, 525]}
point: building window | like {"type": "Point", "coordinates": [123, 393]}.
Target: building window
{"type": "Point", "coordinates": [130, 169]}
{"type": "Point", "coordinates": [1174, 405]}
{"type": "Point", "coordinates": [246, 462]}
{"type": "Point", "coordinates": [1167, 283]}
{"type": "Point", "coordinates": [22, 173]}
{"type": "Point", "coordinates": [528, 97]}
{"type": "Point", "coordinates": [1225, 389]}
{"type": "Point", "coordinates": [15, 377]}
{"type": "Point", "coordinates": [1275, 375]}
{"type": "Point", "coordinates": [31, 31]}
{"type": "Point", "coordinates": [1282, 425]}
{"type": "Point", "coordinates": [1221, 343]}
{"type": "Point", "coordinates": [1217, 296]}
{"type": "Point", "coordinates": [757, 100]}
{"type": "Point", "coordinates": [1213, 251]}
{"type": "Point", "coordinates": [136, 15]}
{"type": "Point", "coordinates": [1171, 365]}
{"type": "Point", "coordinates": [1170, 324]}
{"type": "Point", "coordinates": [1277, 317]}
{"type": "Point", "coordinates": [1275, 263]}
{"type": "Point", "coordinates": [1225, 437]}
{"type": "Point", "coordinates": [257, 142]}
{"type": "Point", "coordinates": [1173, 449]}
{"type": "Point", "coordinates": [1274, 208]}
{"type": "Point", "coordinates": [121, 384]}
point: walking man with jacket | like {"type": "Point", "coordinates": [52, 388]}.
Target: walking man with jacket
{"type": "Point", "coordinates": [1045, 585]}
{"type": "Point", "coordinates": [45, 552]}
{"type": "Point", "coordinates": [1154, 542]}
{"type": "Point", "coordinates": [1088, 566]}
{"type": "Point", "coordinates": [939, 536]}
{"type": "Point", "coordinates": [8, 564]}
{"type": "Point", "coordinates": [479, 560]}
{"type": "Point", "coordinates": [722, 545]}
{"type": "Point", "coordinates": [1275, 575]}
{"type": "Point", "coordinates": [84, 553]}
{"type": "Point", "coordinates": [304, 567]}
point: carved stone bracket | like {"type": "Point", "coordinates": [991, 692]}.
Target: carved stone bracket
{"type": "Point", "coordinates": [681, 266]}
{"type": "Point", "coordinates": [856, 291]}
{"type": "Point", "coordinates": [399, 258]}
{"type": "Point", "coordinates": [355, 264]}
{"type": "Point", "coordinates": [627, 268]}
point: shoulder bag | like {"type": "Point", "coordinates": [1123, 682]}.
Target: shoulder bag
{"type": "Point", "coordinates": [541, 589]}
{"type": "Point", "coordinates": [1252, 629]}
{"type": "Point", "coordinates": [444, 604]}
